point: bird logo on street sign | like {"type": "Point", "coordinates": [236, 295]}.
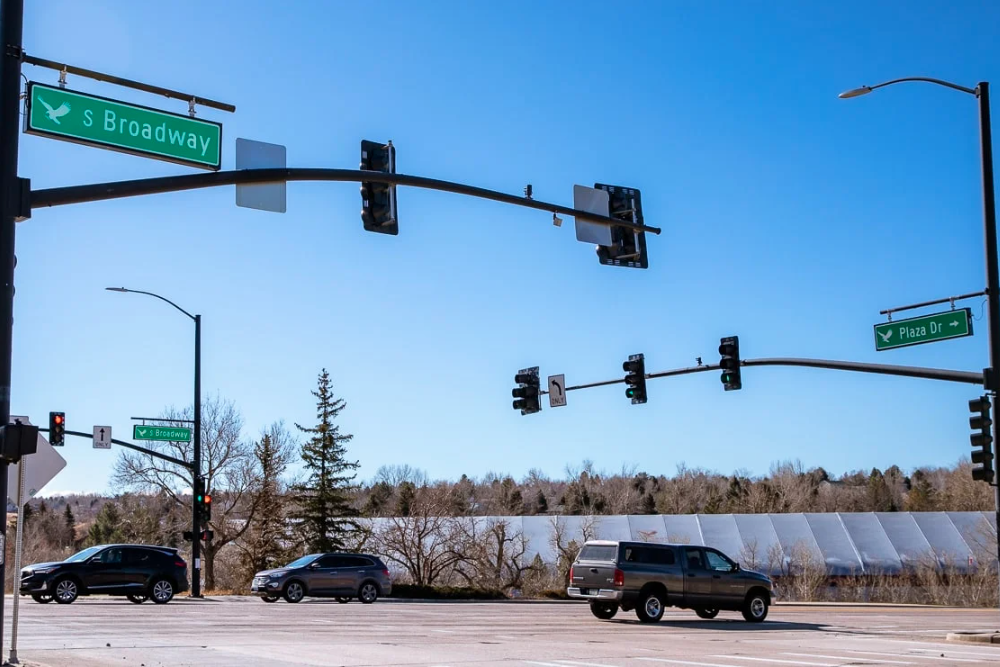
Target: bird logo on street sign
{"type": "Point", "coordinates": [55, 114]}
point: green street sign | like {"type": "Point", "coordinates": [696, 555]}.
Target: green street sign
{"type": "Point", "coordinates": [165, 433]}
{"type": "Point", "coordinates": [60, 113]}
{"type": "Point", "coordinates": [925, 329]}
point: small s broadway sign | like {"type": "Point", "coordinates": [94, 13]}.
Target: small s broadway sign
{"type": "Point", "coordinates": [60, 113]}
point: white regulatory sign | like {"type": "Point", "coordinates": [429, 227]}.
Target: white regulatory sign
{"type": "Point", "coordinates": [102, 437]}
{"type": "Point", "coordinates": [557, 391]}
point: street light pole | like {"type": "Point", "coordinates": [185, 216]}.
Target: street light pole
{"type": "Point", "coordinates": [196, 454]}
{"type": "Point", "coordinates": [992, 384]}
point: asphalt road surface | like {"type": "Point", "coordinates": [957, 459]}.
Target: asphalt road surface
{"type": "Point", "coordinates": [246, 632]}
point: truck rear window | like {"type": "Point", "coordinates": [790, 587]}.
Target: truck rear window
{"type": "Point", "coordinates": [607, 552]}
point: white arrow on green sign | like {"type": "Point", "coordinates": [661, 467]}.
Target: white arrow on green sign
{"type": "Point", "coordinates": [924, 329]}
{"type": "Point", "coordinates": [60, 113]}
{"type": "Point", "coordinates": [164, 433]}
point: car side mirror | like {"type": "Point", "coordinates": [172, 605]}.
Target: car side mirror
{"type": "Point", "coordinates": [313, 566]}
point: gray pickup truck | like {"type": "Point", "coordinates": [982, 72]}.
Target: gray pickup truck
{"type": "Point", "coordinates": [648, 577]}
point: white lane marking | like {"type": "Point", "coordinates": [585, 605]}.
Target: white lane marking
{"type": "Point", "coordinates": [686, 662]}
{"type": "Point", "coordinates": [773, 660]}
{"type": "Point", "coordinates": [992, 654]}
{"type": "Point", "coordinates": [449, 632]}
{"type": "Point", "coordinates": [841, 657]}
{"type": "Point", "coordinates": [910, 655]}
{"type": "Point", "coordinates": [543, 664]}
{"type": "Point", "coordinates": [508, 637]}
{"type": "Point", "coordinates": [583, 664]}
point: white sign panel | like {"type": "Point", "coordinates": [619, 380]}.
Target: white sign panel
{"type": "Point", "coordinates": [42, 467]}
{"type": "Point", "coordinates": [259, 155]}
{"type": "Point", "coordinates": [102, 437]}
{"type": "Point", "coordinates": [557, 391]}
{"type": "Point", "coordinates": [592, 200]}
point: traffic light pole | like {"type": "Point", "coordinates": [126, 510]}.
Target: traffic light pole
{"type": "Point", "coordinates": [78, 194]}
{"type": "Point", "coordinates": [11, 25]}
{"type": "Point", "coordinates": [966, 377]}
{"type": "Point", "coordinates": [992, 281]}
{"type": "Point", "coordinates": [196, 467]}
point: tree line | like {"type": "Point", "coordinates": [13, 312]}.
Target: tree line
{"type": "Point", "coordinates": [287, 492]}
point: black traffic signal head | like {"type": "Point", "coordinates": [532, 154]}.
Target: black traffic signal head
{"type": "Point", "coordinates": [635, 378]}
{"type": "Point", "coordinates": [628, 246]}
{"type": "Point", "coordinates": [981, 439]}
{"type": "Point", "coordinates": [729, 351]}
{"type": "Point", "coordinates": [57, 429]}
{"type": "Point", "coordinates": [378, 200]}
{"type": "Point", "coordinates": [528, 391]}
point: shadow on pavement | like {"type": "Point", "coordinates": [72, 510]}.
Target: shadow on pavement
{"type": "Point", "coordinates": [725, 624]}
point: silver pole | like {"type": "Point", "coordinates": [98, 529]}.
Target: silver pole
{"type": "Point", "coordinates": [18, 545]}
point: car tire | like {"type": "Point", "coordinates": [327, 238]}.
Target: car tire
{"type": "Point", "coordinates": [41, 598]}
{"type": "Point", "coordinates": [707, 613]}
{"type": "Point", "coordinates": [269, 598]}
{"type": "Point", "coordinates": [294, 592]}
{"type": "Point", "coordinates": [603, 610]}
{"type": "Point", "coordinates": [343, 600]}
{"type": "Point", "coordinates": [368, 592]}
{"type": "Point", "coordinates": [755, 607]}
{"type": "Point", "coordinates": [162, 591]}
{"type": "Point", "coordinates": [137, 598]}
{"type": "Point", "coordinates": [651, 607]}
{"type": "Point", "coordinates": [65, 591]}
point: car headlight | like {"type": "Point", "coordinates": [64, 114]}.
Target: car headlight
{"type": "Point", "coordinates": [44, 570]}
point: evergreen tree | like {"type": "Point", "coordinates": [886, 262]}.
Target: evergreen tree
{"type": "Point", "coordinates": [70, 526]}
{"type": "Point", "coordinates": [324, 500]}
{"type": "Point", "coordinates": [922, 496]}
{"type": "Point", "coordinates": [263, 545]}
{"type": "Point", "coordinates": [541, 503]}
{"type": "Point", "coordinates": [407, 495]}
{"type": "Point", "coordinates": [106, 528]}
{"type": "Point", "coordinates": [879, 494]}
{"type": "Point", "coordinates": [28, 512]}
{"type": "Point", "coordinates": [648, 504]}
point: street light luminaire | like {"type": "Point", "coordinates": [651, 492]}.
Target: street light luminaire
{"type": "Point", "coordinates": [857, 92]}
{"type": "Point", "coordinates": [116, 289]}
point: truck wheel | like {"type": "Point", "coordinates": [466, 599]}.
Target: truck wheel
{"type": "Point", "coordinates": [755, 607]}
{"type": "Point", "coordinates": [603, 610]}
{"type": "Point", "coordinates": [707, 613]}
{"type": "Point", "coordinates": [651, 607]}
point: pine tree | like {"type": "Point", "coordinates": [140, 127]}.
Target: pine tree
{"type": "Point", "coordinates": [70, 526]}
{"type": "Point", "coordinates": [27, 512]}
{"type": "Point", "coordinates": [541, 503]}
{"type": "Point", "coordinates": [922, 496]}
{"type": "Point", "coordinates": [879, 495]}
{"type": "Point", "coordinates": [324, 500]}
{"type": "Point", "coordinates": [263, 544]}
{"type": "Point", "coordinates": [106, 528]}
{"type": "Point", "coordinates": [407, 496]}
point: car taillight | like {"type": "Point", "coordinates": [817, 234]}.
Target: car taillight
{"type": "Point", "coordinates": [386, 572]}
{"type": "Point", "coordinates": [619, 578]}
{"type": "Point", "coordinates": [180, 563]}
{"type": "Point", "coordinates": [571, 574]}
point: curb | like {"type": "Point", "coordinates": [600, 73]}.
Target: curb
{"type": "Point", "coordinates": [974, 637]}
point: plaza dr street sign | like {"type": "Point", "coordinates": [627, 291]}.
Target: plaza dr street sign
{"type": "Point", "coordinates": [164, 433]}
{"type": "Point", "coordinates": [923, 329]}
{"type": "Point", "coordinates": [60, 113]}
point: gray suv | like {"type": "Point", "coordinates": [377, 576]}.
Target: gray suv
{"type": "Point", "coordinates": [649, 577]}
{"type": "Point", "coordinates": [343, 576]}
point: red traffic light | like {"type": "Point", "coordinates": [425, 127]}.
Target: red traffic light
{"type": "Point", "coordinates": [58, 419]}
{"type": "Point", "coordinates": [208, 499]}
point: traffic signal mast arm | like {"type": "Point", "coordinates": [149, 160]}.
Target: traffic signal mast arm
{"type": "Point", "coordinates": [77, 194]}
{"type": "Point", "coordinates": [129, 445]}
{"type": "Point", "coordinates": [947, 375]}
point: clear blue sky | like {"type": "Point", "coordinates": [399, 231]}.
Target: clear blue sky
{"type": "Point", "coordinates": [790, 218]}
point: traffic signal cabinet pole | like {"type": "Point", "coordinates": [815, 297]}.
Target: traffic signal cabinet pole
{"type": "Point", "coordinates": [11, 25]}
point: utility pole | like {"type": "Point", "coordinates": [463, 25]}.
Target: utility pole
{"type": "Point", "coordinates": [11, 24]}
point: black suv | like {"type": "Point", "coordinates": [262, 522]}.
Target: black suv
{"type": "Point", "coordinates": [141, 572]}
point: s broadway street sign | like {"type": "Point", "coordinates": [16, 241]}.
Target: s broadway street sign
{"type": "Point", "coordinates": [59, 113]}
{"type": "Point", "coordinates": [924, 329]}
{"type": "Point", "coordinates": [164, 433]}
